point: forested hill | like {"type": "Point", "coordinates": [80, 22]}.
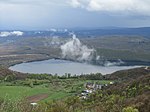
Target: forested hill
{"type": "Point", "coordinates": [7, 74]}
{"type": "Point", "coordinates": [130, 74]}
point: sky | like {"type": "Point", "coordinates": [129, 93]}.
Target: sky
{"type": "Point", "coordinates": [46, 14]}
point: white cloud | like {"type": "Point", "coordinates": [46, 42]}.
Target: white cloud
{"type": "Point", "coordinates": [34, 2]}
{"type": "Point", "coordinates": [75, 3]}
{"type": "Point", "coordinates": [13, 33]}
{"type": "Point", "coordinates": [44, 14]}
{"type": "Point", "coordinates": [75, 50]}
{"type": "Point", "coordinates": [17, 33]}
{"type": "Point", "coordinates": [53, 30]}
{"type": "Point", "coordinates": [115, 6]}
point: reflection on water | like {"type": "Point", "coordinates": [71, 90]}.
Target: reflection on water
{"type": "Point", "coordinates": [61, 67]}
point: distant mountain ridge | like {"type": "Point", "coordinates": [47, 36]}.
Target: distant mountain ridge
{"type": "Point", "coordinates": [142, 31]}
{"type": "Point", "coordinates": [86, 32]}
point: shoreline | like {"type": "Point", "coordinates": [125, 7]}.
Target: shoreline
{"type": "Point", "coordinates": [58, 65]}
{"type": "Point", "coordinates": [126, 62]}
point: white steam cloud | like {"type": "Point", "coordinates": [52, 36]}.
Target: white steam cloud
{"type": "Point", "coordinates": [75, 50]}
{"type": "Point", "coordinates": [117, 63]}
{"type": "Point", "coordinates": [13, 33]}
{"type": "Point", "coordinates": [58, 30]}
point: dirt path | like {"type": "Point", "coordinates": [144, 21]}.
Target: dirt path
{"type": "Point", "coordinates": [37, 98]}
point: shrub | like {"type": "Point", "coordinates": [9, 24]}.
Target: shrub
{"type": "Point", "coordinates": [130, 109]}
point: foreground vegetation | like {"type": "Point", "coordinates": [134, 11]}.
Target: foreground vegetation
{"type": "Point", "coordinates": [131, 93]}
{"type": "Point", "coordinates": [55, 87]}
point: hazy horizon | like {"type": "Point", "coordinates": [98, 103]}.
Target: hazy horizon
{"type": "Point", "coordinates": [72, 28]}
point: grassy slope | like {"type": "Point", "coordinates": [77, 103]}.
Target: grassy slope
{"type": "Point", "coordinates": [55, 92]}
{"type": "Point", "coordinates": [17, 92]}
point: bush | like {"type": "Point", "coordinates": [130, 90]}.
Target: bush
{"type": "Point", "coordinates": [130, 109]}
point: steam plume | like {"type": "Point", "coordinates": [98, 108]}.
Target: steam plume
{"type": "Point", "coordinates": [75, 50]}
{"type": "Point", "coordinates": [117, 63]}
{"type": "Point", "coordinates": [13, 33]}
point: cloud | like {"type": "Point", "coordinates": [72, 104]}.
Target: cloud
{"type": "Point", "coordinates": [58, 30]}
{"type": "Point", "coordinates": [75, 3]}
{"type": "Point", "coordinates": [117, 63]}
{"type": "Point", "coordinates": [45, 14]}
{"type": "Point", "coordinates": [141, 7]}
{"type": "Point", "coordinates": [114, 6]}
{"type": "Point", "coordinates": [33, 2]}
{"type": "Point", "coordinates": [13, 33]}
{"type": "Point", "coordinates": [75, 50]}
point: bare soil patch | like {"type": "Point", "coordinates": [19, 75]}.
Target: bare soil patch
{"type": "Point", "coordinates": [37, 98]}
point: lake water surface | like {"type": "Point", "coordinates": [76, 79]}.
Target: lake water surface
{"type": "Point", "coordinates": [60, 67]}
